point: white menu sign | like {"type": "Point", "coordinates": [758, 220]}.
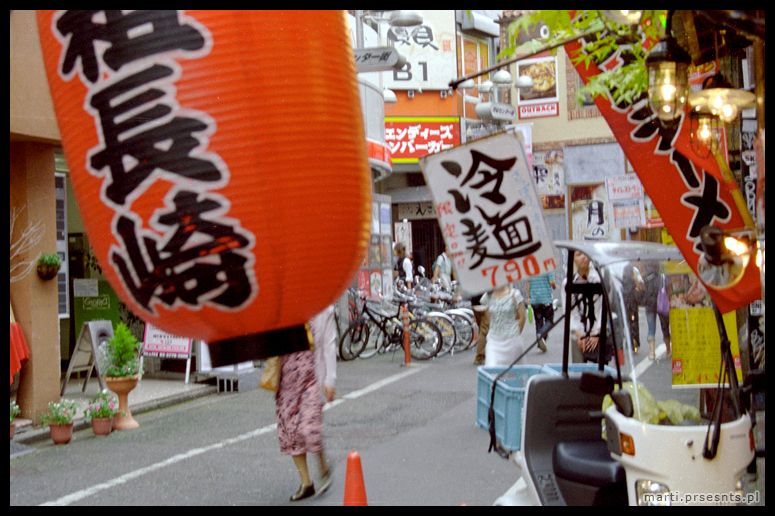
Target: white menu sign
{"type": "Point", "coordinates": [489, 213]}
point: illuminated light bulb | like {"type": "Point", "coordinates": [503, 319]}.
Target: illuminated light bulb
{"type": "Point", "coordinates": [667, 91]}
{"type": "Point", "coordinates": [667, 108]}
{"type": "Point", "coordinates": [735, 246]}
{"type": "Point", "coordinates": [704, 131]}
{"type": "Point", "coordinates": [728, 112]}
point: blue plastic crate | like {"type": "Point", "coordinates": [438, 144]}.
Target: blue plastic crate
{"type": "Point", "coordinates": [509, 401]}
{"type": "Point", "coordinates": [578, 368]}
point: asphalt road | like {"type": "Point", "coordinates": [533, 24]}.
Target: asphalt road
{"type": "Point", "coordinates": [413, 427]}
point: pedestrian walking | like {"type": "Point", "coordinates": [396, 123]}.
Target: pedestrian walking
{"type": "Point", "coordinates": [508, 314]}
{"type": "Point", "coordinates": [403, 269]}
{"type": "Point", "coordinates": [654, 281]}
{"type": "Point", "coordinates": [307, 380]}
{"type": "Point", "coordinates": [632, 291]}
{"type": "Point", "coordinates": [538, 292]}
{"type": "Point", "coordinates": [442, 270]}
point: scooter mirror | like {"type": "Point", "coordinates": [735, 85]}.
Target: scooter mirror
{"type": "Point", "coordinates": [725, 258]}
{"type": "Point", "coordinates": [623, 402]}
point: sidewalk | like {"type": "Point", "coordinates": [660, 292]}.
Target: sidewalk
{"type": "Point", "coordinates": [151, 393]}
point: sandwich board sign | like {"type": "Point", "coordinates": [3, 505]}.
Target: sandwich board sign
{"type": "Point", "coordinates": [489, 213]}
{"type": "Point", "coordinates": [84, 357]}
{"type": "Point", "coordinates": [158, 343]}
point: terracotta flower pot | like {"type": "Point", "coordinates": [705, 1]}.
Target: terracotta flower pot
{"type": "Point", "coordinates": [122, 385]}
{"type": "Point", "coordinates": [102, 425]}
{"type": "Point", "coordinates": [61, 434]}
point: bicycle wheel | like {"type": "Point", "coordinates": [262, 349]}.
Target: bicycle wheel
{"type": "Point", "coordinates": [375, 341]}
{"type": "Point", "coordinates": [354, 340]}
{"type": "Point", "coordinates": [425, 339]}
{"type": "Point", "coordinates": [464, 329]}
{"type": "Point", "coordinates": [447, 328]}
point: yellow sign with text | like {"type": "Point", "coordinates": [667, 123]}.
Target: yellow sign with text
{"type": "Point", "coordinates": [696, 346]}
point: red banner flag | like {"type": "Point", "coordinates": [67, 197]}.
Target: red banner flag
{"type": "Point", "coordinates": [688, 191]}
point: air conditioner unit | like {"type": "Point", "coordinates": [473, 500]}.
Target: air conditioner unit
{"type": "Point", "coordinates": [410, 94]}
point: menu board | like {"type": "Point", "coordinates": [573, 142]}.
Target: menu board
{"type": "Point", "coordinates": [696, 346]}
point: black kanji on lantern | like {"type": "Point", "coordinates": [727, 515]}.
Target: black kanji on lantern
{"type": "Point", "coordinates": [208, 267]}
{"type": "Point", "coordinates": [164, 145]}
{"type": "Point", "coordinates": [130, 35]}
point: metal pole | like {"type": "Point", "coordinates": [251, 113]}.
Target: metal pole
{"type": "Point", "coordinates": [359, 29]}
{"type": "Point", "coordinates": [454, 83]}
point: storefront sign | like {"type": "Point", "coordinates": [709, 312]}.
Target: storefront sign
{"type": "Point", "coordinates": [376, 59]}
{"type": "Point", "coordinates": [495, 111]}
{"type": "Point", "coordinates": [410, 138]}
{"type": "Point", "coordinates": [542, 99]}
{"type": "Point", "coordinates": [429, 49]}
{"type": "Point", "coordinates": [416, 210]}
{"type": "Point", "coordinates": [158, 343]}
{"type": "Point", "coordinates": [489, 214]}
{"type": "Point", "coordinates": [539, 110]}
{"type": "Point", "coordinates": [626, 196]}
{"type": "Point", "coordinates": [689, 192]}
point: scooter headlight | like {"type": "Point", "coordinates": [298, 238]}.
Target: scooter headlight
{"type": "Point", "coordinates": [652, 493]}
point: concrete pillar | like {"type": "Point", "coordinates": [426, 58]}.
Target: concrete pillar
{"type": "Point", "coordinates": [35, 301]}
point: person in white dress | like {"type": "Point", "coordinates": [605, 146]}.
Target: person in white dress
{"type": "Point", "coordinates": [508, 314]}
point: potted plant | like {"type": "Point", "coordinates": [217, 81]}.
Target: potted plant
{"type": "Point", "coordinates": [122, 368]}
{"type": "Point", "coordinates": [59, 419]}
{"type": "Point", "coordinates": [14, 412]}
{"type": "Point", "coordinates": [48, 265]}
{"type": "Point", "coordinates": [100, 412]}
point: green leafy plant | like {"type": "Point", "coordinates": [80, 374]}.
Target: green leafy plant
{"type": "Point", "coordinates": [122, 353]}
{"type": "Point", "coordinates": [103, 405]}
{"type": "Point", "coordinates": [15, 410]}
{"type": "Point", "coordinates": [59, 412]}
{"type": "Point", "coordinates": [50, 259]}
{"type": "Point", "coordinates": [602, 39]}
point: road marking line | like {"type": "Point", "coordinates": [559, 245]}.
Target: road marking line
{"type": "Point", "coordinates": [84, 493]}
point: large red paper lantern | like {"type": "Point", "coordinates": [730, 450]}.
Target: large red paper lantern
{"type": "Point", "coordinates": [218, 159]}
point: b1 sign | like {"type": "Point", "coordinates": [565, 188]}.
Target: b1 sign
{"type": "Point", "coordinates": [489, 213]}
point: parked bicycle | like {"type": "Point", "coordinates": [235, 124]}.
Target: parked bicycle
{"type": "Point", "coordinates": [384, 332]}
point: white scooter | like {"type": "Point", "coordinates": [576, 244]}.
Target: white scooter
{"type": "Point", "coordinates": [563, 459]}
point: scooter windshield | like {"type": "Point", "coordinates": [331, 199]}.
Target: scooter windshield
{"type": "Point", "coordinates": [661, 329]}
{"type": "Point", "coordinates": [667, 338]}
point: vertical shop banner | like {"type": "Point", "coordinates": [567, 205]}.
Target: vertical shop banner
{"type": "Point", "coordinates": [430, 52]}
{"type": "Point", "coordinates": [688, 191]}
{"type": "Point", "coordinates": [549, 177]}
{"type": "Point", "coordinates": [626, 196]}
{"type": "Point", "coordinates": [590, 214]}
{"type": "Point", "coordinates": [489, 213]}
{"type": "Point", "coordinates": [410, 138]}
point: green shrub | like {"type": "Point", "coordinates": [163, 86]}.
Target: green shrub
{"type": "Point", "coordinates": [123, 352]}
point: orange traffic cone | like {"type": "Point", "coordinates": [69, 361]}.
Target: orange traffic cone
{"type": "Point", "coordinates": [354, 490]}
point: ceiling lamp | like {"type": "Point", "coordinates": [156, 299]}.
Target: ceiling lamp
{"type": "Point", "coordinates": [705, 132]}
{"type": "Point", "coordinates": [404, 19]}
{"type": "Point", "coordinates": [667, 65]}
{"type": "Point", "coordinates": [718, 97]}
{"type": "Point", "coordinates": [502, 78]}
{"type": "Point", "coordinates": [524, 82]}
